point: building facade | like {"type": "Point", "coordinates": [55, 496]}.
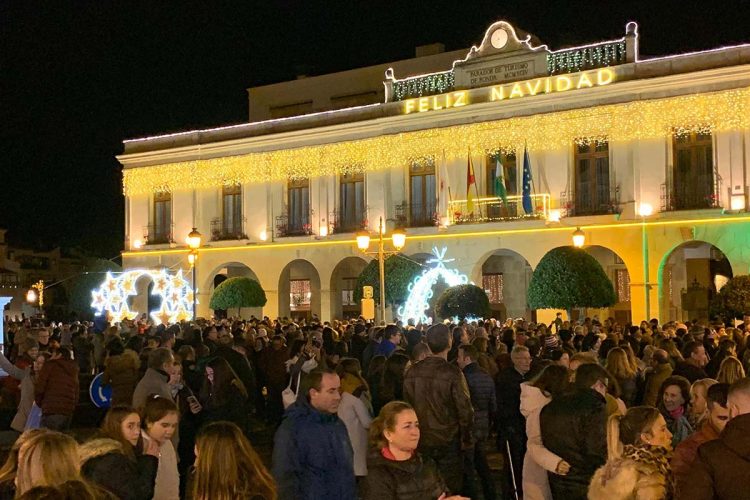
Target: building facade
{"type": "Point", "coordinates": [498, 155]}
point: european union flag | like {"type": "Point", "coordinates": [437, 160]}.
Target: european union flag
{"type": "Point", "coordinates": [528, 206]}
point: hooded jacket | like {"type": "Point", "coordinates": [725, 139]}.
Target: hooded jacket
{"type": "Point", "coordinates": [121, 372]}
{"type": "Point", "coordinates": [413, 479]}
{"type": "Point", "coordinates": [56, 388]}
{"type": "Point", "coordinates": [312, 455]}
{"type": "Point", "coordinates": [723, 465]}
{"type": "Point", "coordinates": [104, 462]}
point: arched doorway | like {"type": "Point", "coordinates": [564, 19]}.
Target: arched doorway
{"type": "Point", "coordinates": [343, 284]}
{"type": "Point", "coordinates": [299, 290]}
{"type": "Point", "coordinates": [505, 277]}
{"type": "Point", "coordinates": [689, 277]}
{"type": "Point", "coordinates": [617, 272]}
{"type": "Point", "coordinates": [233, 270]}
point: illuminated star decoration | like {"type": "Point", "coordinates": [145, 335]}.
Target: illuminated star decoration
{"type": "Point", "coordinates": [420, 291]}
{"type": "Point", "coordinates": [111, 298]}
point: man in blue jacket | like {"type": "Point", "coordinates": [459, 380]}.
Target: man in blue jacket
{"type": "Point", "coordinates": [312, 455]}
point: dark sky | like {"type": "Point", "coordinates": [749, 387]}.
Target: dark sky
{"type": "Point", "coordinates": [76, 78]}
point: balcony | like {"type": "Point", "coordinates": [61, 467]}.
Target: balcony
{"type": "Point", "coordinates": [416, 215]}
{"type": "Point", "coordinates": [347, 221]}
{"type": "Point", "coordinates": [222, 230]}
{"type": "Point", "coordinates": [493, 209]}
{"type": "Point", "coordinates": [297, 225]}
{"type": "Point", "coordinates": [606, 202]}
{"type": "Point", "coordinates": [158, 235]}
{"type": "Point", "coordinates": [698, 195]}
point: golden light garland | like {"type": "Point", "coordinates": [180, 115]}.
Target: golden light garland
{"type": "Point", "coordinates": [651, 119]}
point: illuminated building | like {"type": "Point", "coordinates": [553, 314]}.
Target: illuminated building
{"type": "Point", "coordinates": [647, 156]}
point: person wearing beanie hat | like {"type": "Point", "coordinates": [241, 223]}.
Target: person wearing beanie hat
{"type": "Point", "coordinates": [551, 342]}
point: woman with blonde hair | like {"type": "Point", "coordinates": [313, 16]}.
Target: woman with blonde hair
{"type": "Point", "coordinates": [620, 367]}
{"type": "Point", "coordinates": [46, 459]}
{"type": "Point", "coordinates": [638, 452]}
{"type": "Point", "coordinates": [160, 418]}
{"type": "Point", "coordinates": [10, 468]}
{"type": "Point", "coordinates": [698, 402]}
{"type": "Point", "coordinates": [227, 467]}
{"type": "Point", "coordinates": [730, 371]}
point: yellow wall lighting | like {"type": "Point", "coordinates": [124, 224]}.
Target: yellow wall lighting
{"type": "Point", "coordinates": [443, 235]}
{"type": "Point", "coordinates": [648, 119]}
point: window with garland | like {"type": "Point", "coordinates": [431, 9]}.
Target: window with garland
{"type": "Point", "coordinates": [423, 205]}
{"type": "Point", "coordinates": [231, 197]}
{"type": "Point", "coordinates": [592, 191]}
{"type": "Point", "coordinates": [622, 285]}
{"type": "Point", "coordinates": [492, 283]}
{"type": "Point", "coordinates": [351, 202]}
{"type": "Point", "coordinates": [298, 205]}
{"type": "Point", "coordinates": [693, 172]}
{"type": "Point", "coordinates": [299, 295]}
{"type": "Point", "coordinates": [162, 227]}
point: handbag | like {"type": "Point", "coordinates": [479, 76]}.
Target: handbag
{"type": "Point", "coordinates": [288, 396]}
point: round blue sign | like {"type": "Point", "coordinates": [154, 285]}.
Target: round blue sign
{"type": "Point", "coordinates": [101, 395]}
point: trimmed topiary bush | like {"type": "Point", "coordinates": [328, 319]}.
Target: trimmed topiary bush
{"type": "Point", "coordinates": [568, 278]}
{"type": "Point", "coordinates": [733, 300]}
{"type": "Point", "coordinates": [463, 301]}
{"type": "Point", "coordinates": [399, 273]}
{"type": "Point", "coordinates": [238, 292]}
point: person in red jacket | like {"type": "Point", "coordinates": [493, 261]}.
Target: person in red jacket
{"type": "Point", "coordinates": [56, 390]}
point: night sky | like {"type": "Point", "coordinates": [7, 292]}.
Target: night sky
{"type": "Point", "coordinates": [76, 78]}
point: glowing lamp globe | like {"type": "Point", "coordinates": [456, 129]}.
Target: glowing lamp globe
{"type": "Point", "coordinates": [363, 240]}
{"type": "Point", "coordinates": [399, 238]}
{"type": "Point", "coordinates": [31, 296]}
{"type": "Point", "coordinates": [194, 239]}
{"type": "Point", "coordinates": [578, 238]}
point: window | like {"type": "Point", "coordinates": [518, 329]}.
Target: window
{"type": "Point", "coordinates": [493, 287]}
{"type": "Point", "coordinates": [298, 192]}
{"type": "Point", "coordinates": [422, 209]}
{"type": "Point", "coordinates": [287, 110]}
{"type": "Point", "coordinates": [299, 295]}
{"type": "Point", "coordinates": [622, 285]}
{"type": "Point", "coordinates": [162, 227]}
{"type": "Point", "coordinates": [347, 292]}
{"type": "Point", "coordinates": [693, 173]}
{"type": "Point", "coordinates": [351, 202]}
{"type": "Point", "coordinates": [232, 206]}
{"type": "Point", "coordinates": [592, 194]}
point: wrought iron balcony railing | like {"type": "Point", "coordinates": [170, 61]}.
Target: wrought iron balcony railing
{"type": "Point", "coordinates": [158, 234]}
{"type": "Point", "coordinates": [416, 214]}
{"type": "Point", "coordinates": [494, 209]}
{"type": "Point", "coordinates": [297, 225]}
{"type": "Point", "coordinates": [701, 193]}
{"type": "Point", "coordinates": [347, 222]}
{"type": "Point", "coordinates": [221, 229]}
{"type": "Point", "coordinates": [573, 204]}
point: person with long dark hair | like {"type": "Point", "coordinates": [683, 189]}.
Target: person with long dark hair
{"type": "Point", "coordinates": [223, 395]}
{"type": "Point", "coordinates": [392, 382]}
{"type": "Point", "coordinates": [674, 400]}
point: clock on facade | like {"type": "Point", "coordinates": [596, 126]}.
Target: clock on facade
{"type": "Point", "coordinates": [499, 38]}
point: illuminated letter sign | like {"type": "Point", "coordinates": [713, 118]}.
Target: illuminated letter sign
{"type": "Point", "coordinates": [545, 85]}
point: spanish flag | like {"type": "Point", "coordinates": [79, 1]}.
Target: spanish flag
{"type": "Point", "coordinates": [471, 183]}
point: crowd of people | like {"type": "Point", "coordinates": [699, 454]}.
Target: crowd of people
{"type": "Point", "coordinates": [590, 409]}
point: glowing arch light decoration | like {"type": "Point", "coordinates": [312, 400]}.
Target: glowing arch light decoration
{"type": "Point", "coordinates": [111, 298]}
{"type": "Point", "coordinates": [420, 291]}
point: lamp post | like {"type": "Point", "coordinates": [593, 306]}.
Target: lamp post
{"type": "Point", "coordinates": [579, 238]}
{"type": "Point", "coordinates": [644, 210]}
{"type": "Point", "coordinates": [194, 242]}
{"type": "Point", "coordinates": [398, 237]}
{"type": "Point", "coordinates": [36, 294]}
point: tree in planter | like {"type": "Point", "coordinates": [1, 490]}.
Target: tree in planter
{"type": "Point", "coordinates": [238, 292]}
{"type": "Point", "coordinates": [399, 273]}
{"type": "Point", "coordinates": [733, 300]}
{"type": "Point", "coordinates": [463, 301]}
{"type": "Point", "coordinates": [93, 275]}
{"type": "Point", "coordinates": [568, 278]}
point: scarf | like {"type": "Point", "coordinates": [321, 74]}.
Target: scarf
{"type": "Point", "coordinates": [654, 456]}
{"type": "Point", "coordinates": [677, 413]}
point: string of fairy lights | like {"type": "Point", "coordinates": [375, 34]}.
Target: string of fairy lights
{"type": "Point", "coordinates": [596, 56]}
{"type": "Point", "coordinates": [640, 120]}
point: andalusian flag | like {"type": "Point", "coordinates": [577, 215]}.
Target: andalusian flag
{"type": "Point", "coordinates": [500, 180]}
{"type": "Point", "coordinates": [470, 182]}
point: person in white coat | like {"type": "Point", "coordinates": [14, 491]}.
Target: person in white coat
{"type": "Point", "coordinates": [355, 415]}
{"type": "Point", "coordinates": [535, 394]}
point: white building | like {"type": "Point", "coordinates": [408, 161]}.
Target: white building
{"type": "Point", "coordinates": [648, 157]}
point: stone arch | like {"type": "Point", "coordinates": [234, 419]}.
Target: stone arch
{"type": "Point", "coordinates": [690, 274]}
{"type": "Point", "coordinates": [304, 299]}
{"type": "Point", "coordinates": [343, 282]}
{"type": "Point", "coordinates": [617, 271]}
{"type": "Point", "coordinates": [231, 270]}
{"type": "Point", "coordinates": [504, 274]}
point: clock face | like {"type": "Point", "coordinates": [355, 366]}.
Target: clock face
{"type": "Point", "coordinates": [499, 38]}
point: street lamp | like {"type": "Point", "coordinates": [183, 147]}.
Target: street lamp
{"type": "Point", "coordinates": [579, 238]}
{"type": "Point", "coordinates": [36, 293]}
{"type": "Point", "coordinates": [194, 242]}
{"type": "Point", "coordinates": [398, 238]}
